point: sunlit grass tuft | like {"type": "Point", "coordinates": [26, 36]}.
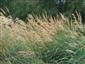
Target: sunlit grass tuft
{"type": "Point", "coordinates": [42, 40]}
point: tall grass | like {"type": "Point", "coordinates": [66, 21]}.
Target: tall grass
{"type": "Point", "coordinates": [42, 41]}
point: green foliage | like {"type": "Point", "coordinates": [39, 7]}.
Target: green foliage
{"type": "Point", "coordinates": [63, 50]}
{"type": "Point", "coordinates": [20, 8]}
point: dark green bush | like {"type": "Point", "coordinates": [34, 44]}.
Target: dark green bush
{"type": "Point", "coordinates": [20, 8]}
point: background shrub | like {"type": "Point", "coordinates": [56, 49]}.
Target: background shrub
{"type": "Point", "coordinates": [20, 8]}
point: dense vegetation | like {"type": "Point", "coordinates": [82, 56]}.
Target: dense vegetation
{"type": "Point", "coordinates": [50, 36]}
{"type": "Point", "coordinates": [20, 8]}
{"type": "Point", "coordinates": [57, 42]}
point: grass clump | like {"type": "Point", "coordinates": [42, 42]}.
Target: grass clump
{"type": "Point", "coordinates": [18, 44]}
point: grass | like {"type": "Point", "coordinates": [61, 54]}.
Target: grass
{"type": "Point", "coordinates": [42, 41]}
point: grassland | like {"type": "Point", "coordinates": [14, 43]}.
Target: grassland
{"type": "Point", "coordinates": [42, 40]}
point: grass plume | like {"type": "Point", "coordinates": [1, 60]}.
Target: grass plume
{"type": "Point", "coordinates": [42, 40]}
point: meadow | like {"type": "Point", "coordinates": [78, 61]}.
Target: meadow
{"type": "Point", "coordinates": [42, 40]}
